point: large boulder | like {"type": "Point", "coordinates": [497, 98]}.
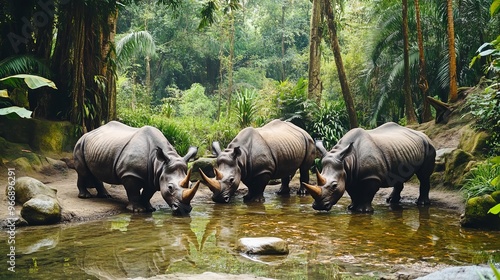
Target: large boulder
{"type": "Point", "coordinates": [461, 273]}
{"type": "Point", "coordinates": [262, 246]}
{"type": "Point", "coordinates": [474, 142]}
{"type": "Point", "coordinates": [456, 164]}
{"type": "Point", "coordinates": [27, 188]}
{"type": "Point", "coordinates": [206, 164]}
{"type": "Point", "coordinates": [41, 210]}
{"type": "Point", "coordinates": [476, 212]}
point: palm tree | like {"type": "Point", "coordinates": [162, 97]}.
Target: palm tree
{"type": "Point", "coordinates": [315, 86]}
{"type": "Point", "coordinates": [332, 30]}
{"type": "Point", "coordinates": [411, 118]}
{"type": "Point", "coordinates": [452, 97]}
{"type": "Point", "coordinates": [422, 79]}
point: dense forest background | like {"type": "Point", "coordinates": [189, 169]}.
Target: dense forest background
{"type": "Point", "coordinates": [202, 70]}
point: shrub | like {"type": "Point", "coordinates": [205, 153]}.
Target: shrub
{"type": "Point", "coordinates": [330, 123]}
{"type": "Point", "coordinates": [245, 107]}
{"type": "Point", "coordinates": [485, 108]}
{"type": "Point", "coordinates": [483, 179]}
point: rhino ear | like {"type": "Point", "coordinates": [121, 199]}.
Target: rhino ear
{"type": "Point", "coordinates": [321, 148]}
{"type": "Point", "coordinates": [161, 156]}
{"type": "Point", "coordinates": [216, 148]}
{"type": "Point", "coordinates": [236, 152]}
{"type": "Point", "coordinates": [191, 153]}
{"type": "Point", "coordinates": [346, 151]}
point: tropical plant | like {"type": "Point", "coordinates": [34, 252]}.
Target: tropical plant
{"type": "Point", "coordinates": [329, 124]}
{"type": "Point", "coordinates": [245, 107]}
{"type": "Point", "coordinates": [483, 179]}
{"type": "Point", "coordinates": [485, 108]}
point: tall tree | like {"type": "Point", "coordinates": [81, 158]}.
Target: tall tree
{"type": "Point", "coordinates": [315, 85]}
{"type": "Point", "coordinates": [422, 79]}
{"type": "Point", "coordinates": [453, 95]}
{"type": "Point", "coordinates": [411, 118]}
{"type": "Point", "coordinates": [334, 42]}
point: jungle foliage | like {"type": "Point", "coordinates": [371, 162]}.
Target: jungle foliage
{"type": "Point", "coordinates": [230, 64]}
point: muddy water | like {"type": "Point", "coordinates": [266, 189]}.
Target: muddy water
{"type": "Point", "coordinates": [322, 245]}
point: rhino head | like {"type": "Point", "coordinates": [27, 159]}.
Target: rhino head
{"type": "Point", "coordinates": [331, 182]}
{"type": "Point", "coordinates": [173, 181]}
{"type": "Point", "coordinates": [227, 174]}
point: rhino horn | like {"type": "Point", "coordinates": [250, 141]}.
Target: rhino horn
{"type": "Point", "coordinates": [188, 194]}
{"type": "Point", "coordinates": [212, 184]}
{"type": "Point", "coordinates": [320, 178]}
{"type": "Point", "coordinates": [185, 182]}
{"type": "Point", "coordinates": [218, 175]}
{"type": "Point", "coordinates": [315, 191]}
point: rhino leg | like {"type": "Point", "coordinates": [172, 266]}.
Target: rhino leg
{"type": "Point", "coordinates": [133, 187]}
{"type": "Point", "coordinates": [363, 197]}
{"type": "Point", "coordinates": [256, 189]}
{"type": "Point", "coordinates": [82, 184]}
{"type": "Point", "coordinates": [304, 178]}
{"type": "Point", "coordinates": [101, 191]}
{"type": "Point", "coordinates": [424, 176]}
{"type": "Point", "coordinates": [395, 196]}
{"type": "Point", "coordinates": [285, 186]}
{"type": "Point", "coordinates": [147, 194]}
{"type": "Point", "coordinates": [425, 186]}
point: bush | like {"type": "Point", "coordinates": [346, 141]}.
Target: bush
{"type": "Point", "coordinates": [142, 116]}
{"type": "Point", "coordinates": [485, 108]}
{"type": "Point", "coordinates": [483, 179]}
{"type": "Point", "coordinates": [330, 123]}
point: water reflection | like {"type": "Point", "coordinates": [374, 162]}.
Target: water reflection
{"type": "Point", "coordinates": [321, 244]}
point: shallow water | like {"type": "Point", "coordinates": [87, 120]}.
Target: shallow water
{"type": "Point", "coordinates": [322, 245]}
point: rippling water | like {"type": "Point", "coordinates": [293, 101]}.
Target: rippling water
{"type": "Point", "coordinates": [322, 245]}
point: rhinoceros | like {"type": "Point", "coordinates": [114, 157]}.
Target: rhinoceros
{"type": "Point", "coordinates": [257, 155]}
{"type": "Point", "coordinates": [365, 160]}
{"type": "Point", "coordinates": [137, 158]}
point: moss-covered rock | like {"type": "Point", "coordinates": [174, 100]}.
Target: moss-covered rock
{"type": "Point", "coordinates": [205, 164]}
{"type": "Point", "coordinates": [455, 168]}
{"type": "Point", "coordinates": [41, 210]}
{"type": "Point", "coordinates": [496, 196]}
{"type": "Point", "coordinates": [473, 142]}
{"type": "Point", "coordinates": [28, 188]}
{"type": "Point", "coordinates": [40, 135]}
{"type": "Point", "coordinates": [476, 213]}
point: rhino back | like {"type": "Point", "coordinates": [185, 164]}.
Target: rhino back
{"type": "Point", "coordinates": [390, 149]}
{"type": "Point", "coordinates": [116, 150]}
{"type": "Point", "coordinates": [289, 145]}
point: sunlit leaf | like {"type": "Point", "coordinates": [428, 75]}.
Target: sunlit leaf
{"type": "Point", "coordinates": [495, 209]}
{"type": "Point", "coordinates": [22, 112]}
{"type": "Point", "coordinates": [32, 81]}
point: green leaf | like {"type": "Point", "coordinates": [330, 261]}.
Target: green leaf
{"type": "Point", "coordinates": [32, 81]}
{"type": "Point", "coordinates": [22, 112]}
{"type": "Point", "coordinates": [495, 181]}
{"type": "Point", "coordinates": [495, 270]}
{"type": "Point", "coordinates": [495, 7]}
{"type": "Point", "coordinates": [495, 160]}
{"type": "Point", "coordinates": [495, 209]}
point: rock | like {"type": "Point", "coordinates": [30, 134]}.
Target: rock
{"type": "Point", "coordinates": [262, 246]}
{"type": "Point", "coordinates": [455, 164]}
{"type": "Point", "coordinates": [476, 213]}
{"type": "Point", "coordinates": [461, 273]}
{"type": "Point", "coordinates": [206, 164]}
{"type": "Point", "coordinates": [27, 188]}
{"type": "Point", "coordinates": [473, 142]}
{"type": "Point", "coordinates": [440, 158]}
{"type": "Point", "coordinates": [41, 210]}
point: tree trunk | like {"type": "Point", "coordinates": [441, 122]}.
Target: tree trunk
{"type": "Point", "coordinates": [315, 85]}
{"type": "Point", "coordinates": [109, 69]}
{"type": "Point", "coordinates": [283, 50]}
{"type": "Point", "coordinates": [452, 97]}
{"type": "Point", "coordinates": [332, 30]}
{"type": "Point", "coordinates": [422, 80]}
{"type": "Point", "coordinates": [411, 118]}
{"type": "Point", "coordinates": [230, 64]}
